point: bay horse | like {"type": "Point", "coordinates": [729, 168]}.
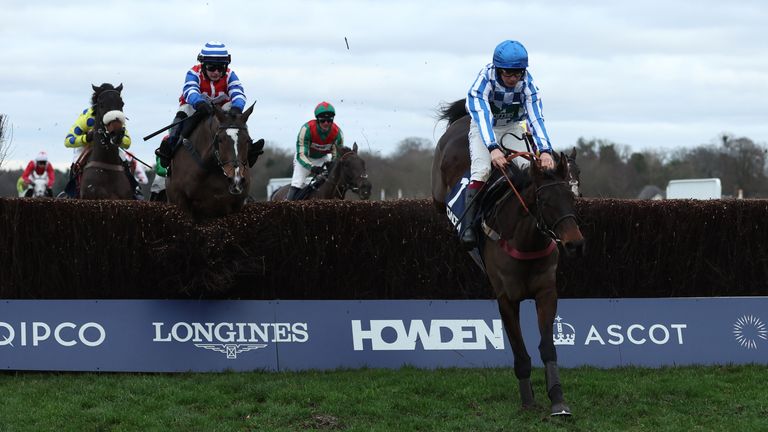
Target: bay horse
{"type": "Point", "coordinates": [104, 175]}
{"type": "Point", "coordinates": [519, 253]}
{"type": "Point", "coordinates": [347, 173]}
{"type": "Point", "coordinates": [210, 176]}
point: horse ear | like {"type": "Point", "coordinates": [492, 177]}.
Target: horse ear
{"type": "Point", "coordinates": [354, 147]}
{"type": "Point", "coordinates": [119, 88]}
{"type": "Point", "coordinates": [562, 166]}
{"type": "Point", "coordinates": [248, 112]}
{"type": "Point", "coordinates": [573, 154]}
{"type": "Point", "coordinates": [94, 87]}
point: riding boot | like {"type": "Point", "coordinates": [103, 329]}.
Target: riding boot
{"type": "Point", "coordinates": [469, 237]}
{"type": "Point", "coordinates": [168, 145]}
{"type": "Point", "coordinates": [254, 150]}
{"type": "Point", "coordinates": [292, 192]}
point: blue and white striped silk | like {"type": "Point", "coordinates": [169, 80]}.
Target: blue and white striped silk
{"type": "Point", "coordinates": [491, 103]}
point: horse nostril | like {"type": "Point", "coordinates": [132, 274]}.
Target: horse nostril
{"type": "Point", "coordinates": [575, 248]}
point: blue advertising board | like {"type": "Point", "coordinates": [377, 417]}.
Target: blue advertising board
{"type": "Point", "coordinates": [176, 336]}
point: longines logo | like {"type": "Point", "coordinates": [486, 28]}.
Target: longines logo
{"type": "Point", "coordinates": [748, 330]}
{"type": "Point", "coordinates": [231, 339]}
{"type": "Point", "coordinates": [231, 350]}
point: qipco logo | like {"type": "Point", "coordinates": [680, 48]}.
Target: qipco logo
{"type": "Point", "coordinates": [36, 333]}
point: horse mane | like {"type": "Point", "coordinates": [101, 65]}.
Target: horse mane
{"type": "Point", "coordinates": [452, 111]}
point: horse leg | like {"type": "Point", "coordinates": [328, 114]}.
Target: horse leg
{"type": "Point", "coordinates": [510, 315]}
{"type": "Point", "coordinates": [546, 308]}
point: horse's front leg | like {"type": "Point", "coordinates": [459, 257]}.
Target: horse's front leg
{"type": "Point", "coordinates": [546, 308]}
{"type": "Point", "coordinates": [510, 315]}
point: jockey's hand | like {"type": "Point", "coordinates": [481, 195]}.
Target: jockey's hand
{"type": "Point", "coordinates": [203, 107]}
{"type": "Point", "coordinates": [498, 159]}
{"type": "Point", "coordinates": [546, 161]}
{"type": "Point", "coordinates": [315, 170]}
{"type": "Point", "coordinates": [89, 136]}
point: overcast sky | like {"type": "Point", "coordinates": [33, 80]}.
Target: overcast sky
{"type": "Point", "coordinates": [649, 75]}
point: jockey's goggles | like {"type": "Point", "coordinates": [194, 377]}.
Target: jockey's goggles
{"type": "Point", "coordinates": [518, 73]}
{"type": "Point", "coordinates": [325, 119]}
{"type": "Point", "coordinates": [212, 67]}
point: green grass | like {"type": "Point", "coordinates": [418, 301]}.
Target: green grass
{"type": "Point", "coordinates": [729, 398]}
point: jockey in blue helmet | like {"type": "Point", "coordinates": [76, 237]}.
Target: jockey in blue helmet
{"type": "Point", "coordinates": [503, 103]}
{"type": "Point", "coordinates": [210, 82]}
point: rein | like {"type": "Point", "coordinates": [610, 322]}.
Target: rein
{"type": "Point", "coordinates": [216, 153]}
{"type": "Point", "coordinates": [549, 231]}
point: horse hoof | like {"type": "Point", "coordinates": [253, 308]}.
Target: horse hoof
{"type": "Point", "coordinates": [560, 410]}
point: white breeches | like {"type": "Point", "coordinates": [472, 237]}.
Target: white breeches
{"type": "Point", "coordinates": [300, 173]}
{"type": "Point", "coordinates": [479, 155]}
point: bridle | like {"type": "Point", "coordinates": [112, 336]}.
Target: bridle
{"type": "Point", "coordinates": [107, 138]}
{"type": "Point", "coordinates": [342, 188]}
{"type": "Point", "coordinates": [215, 144]}
{"type": "Point", "coordinates": [541, 225]}
{"type": "Point", "coordinates": [236, 163]}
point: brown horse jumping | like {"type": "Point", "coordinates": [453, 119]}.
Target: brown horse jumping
{"type": "Point", "coordinates": [346, 174]}
{"type": "Point", "coordinates": [519, 253]}
{"type": "Point", "coordinates": [104, 176]}
{"type": "Point", "coordinates": [210, 175]}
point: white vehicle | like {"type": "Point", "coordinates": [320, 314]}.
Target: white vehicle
{"type": "Point", "coordinates": [705, 188]}
{"type": "Point", "coordinates": [275, 184]}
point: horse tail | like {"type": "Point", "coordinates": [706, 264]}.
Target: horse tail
{"type": "Point", "coordinates": [453, 111]}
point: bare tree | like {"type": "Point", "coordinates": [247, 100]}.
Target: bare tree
{"type": "Point", "coordinates": [5, 138]}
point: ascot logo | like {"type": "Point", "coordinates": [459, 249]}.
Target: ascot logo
{"type": "Point", "coordinates": [563, 333]}
{"type": "Point", "coordinates": [748, 330]}
{"type": "Point", "coordinates": [231, 339]}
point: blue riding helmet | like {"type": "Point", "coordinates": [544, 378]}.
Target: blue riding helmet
{"type": "Point", "coordinates": [214, 52]}
{"type": "Point", "coordinates": [510, 55]}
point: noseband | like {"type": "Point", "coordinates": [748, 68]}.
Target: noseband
{"type": "Point", "coordinates": [540, 224]}
{"type": "Point", "coordinates": [217, 154]}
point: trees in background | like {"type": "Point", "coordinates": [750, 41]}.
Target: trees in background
{"type": "Point", "coordinates": [608, 170]}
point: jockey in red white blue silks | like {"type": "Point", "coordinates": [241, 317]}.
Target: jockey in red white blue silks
{"type": "Point", "coordinates": [319, 141]}
{"type": "Point", "coordinates": [209, 82]}
{"type": "Point", "coordinates": [502, 101]}
{"type": "Point", "coordinates": [38, 169]}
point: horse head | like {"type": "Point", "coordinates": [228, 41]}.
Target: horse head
{"type": "Point", "coordinates": [107, 104]}
{"type": "Point", "coordinates": [230, 147]}
{"type": "Point", "coordinates": [551, 202]}
{"type": "Point", "coordinates": [351, 174]}
{"type": "Point", "coordinates": [574, 174]}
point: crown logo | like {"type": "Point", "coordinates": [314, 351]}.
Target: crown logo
{"type": "Point", "coordinates": [563, 333]}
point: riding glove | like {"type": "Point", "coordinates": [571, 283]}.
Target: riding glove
{"type": "Point", "coordinates": [203, 106]}
{"type": "Point", "coordinates": [316, 170]}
